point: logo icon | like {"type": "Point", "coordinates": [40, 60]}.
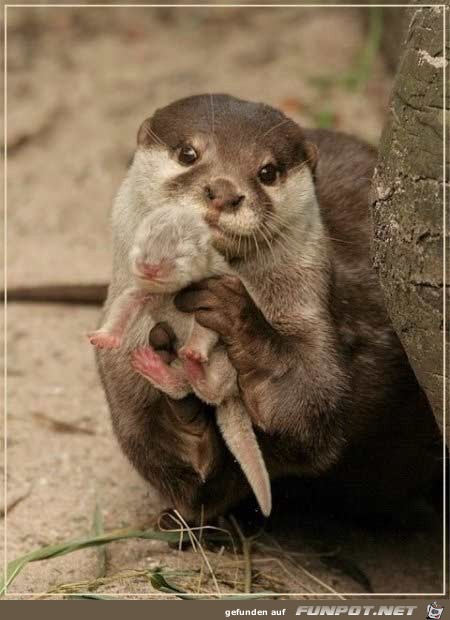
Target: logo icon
{"type": "Point", "coordinates": [434, 611]}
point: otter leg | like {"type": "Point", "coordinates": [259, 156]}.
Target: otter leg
{"type": "Point", "coordinates": [121, 313]}
{"type": "Point", "coordinates": [212, 382]}
{"type": "Point", "coordinates": [168, 379]}
{"type": "Point", "coordinates": [199, 344]}
{"type": "Point", "coordinates": [237, 431]}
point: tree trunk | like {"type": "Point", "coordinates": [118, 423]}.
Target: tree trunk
{"type": "Point", "coordinates": [407, 201]}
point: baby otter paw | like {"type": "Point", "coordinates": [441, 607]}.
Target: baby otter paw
{"type": "Point", "coordinates": [188, 353]}
{"type": "Point", "coordinates": [104, 340]}
{"type": "Point", "coordinates": [194, 370]}
{"type": "Point", "coordinates": [196, 375]}
{"type": "Point", "coordinates": [149, 365]}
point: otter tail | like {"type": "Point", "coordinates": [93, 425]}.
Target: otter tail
{"type": "Point", "coordinates": [238, 433]}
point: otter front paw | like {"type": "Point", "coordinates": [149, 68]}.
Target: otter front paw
{"type": "Point", "coordinates": [104, 340]}
{"type": "Point", "coordinates": [224, 306]}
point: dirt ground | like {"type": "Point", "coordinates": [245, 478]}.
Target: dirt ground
{"type": "Point", "coordinates": [80, 81]}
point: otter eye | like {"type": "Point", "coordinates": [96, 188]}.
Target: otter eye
{"type": "Point", "coordinates": [187, 155]}
{"type": "Point", "coordinates": [268, 174]}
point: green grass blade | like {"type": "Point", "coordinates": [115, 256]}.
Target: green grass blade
{"type": "Point", "coordinates": [97, 524]}
{"type": "Point", "coordinates": [160, 583]}
{"type": "Point", "coordinates": [96, 597]}
{"type": "Point", "coordinates": [53, 551]}
{"type": "Point", "coordinates": [99, 530]}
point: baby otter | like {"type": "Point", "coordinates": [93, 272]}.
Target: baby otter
{"type": "Point", "coordinates": [171, 250]}
{"type": "Point", "coordinates": [320, 370]}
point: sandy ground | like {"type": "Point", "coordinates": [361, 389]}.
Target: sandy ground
{"type": "Point", "coordinates": [79, 84]}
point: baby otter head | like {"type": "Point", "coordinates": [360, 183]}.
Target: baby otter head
{"type": "Point", "coordinates": [244, 167]}
{"type": "Point", "coordinates": [172, 248]}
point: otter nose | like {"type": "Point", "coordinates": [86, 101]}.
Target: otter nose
{"type": "Point", "coordinates": [222, 194]}
{"type": "Point", "coordinates": [147, 270]}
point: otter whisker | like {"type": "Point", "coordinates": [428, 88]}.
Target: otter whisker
{"type": "Point", "coordinates": [339, 240]}
{"type": "Point", "coordinates": [267, 240]}
{"type": "Point", "coordinates": [276, 233]}
{"type": "Point", "coordinates": [283, 233]}
{"type": "Point", "coordinates": [283, 122]}
{"type": "Point", "coordinates": [239, 245]}
{"type": "Point", "coordinates": [245, 249]}
{"type": "Point", "coordinates": [233, 243]}
{"type": "Point", "coordinates": [149, 131]}
{"type": "Point", "coordinates": [294, 247]}
{"type": "Point", "coordinates": [289, 248]}
{"type": "Point", "coordinates": [257, 245]}
{"type": "Point", "coordinates": [258, 131]}
{"type": "Point", "coordinates": [281, 228]}
{"type": "Point", "coordinates": [275, 218]}
{"type": "Point", "coordinates": [304, 163]}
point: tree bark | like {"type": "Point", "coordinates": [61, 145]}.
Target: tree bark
{"type": "Point", "coordinates": [407, 201]}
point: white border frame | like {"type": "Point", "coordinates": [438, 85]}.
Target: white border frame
{"type": "Point", "coordinates": [444, 274]}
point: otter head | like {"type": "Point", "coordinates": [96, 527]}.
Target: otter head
{"type": "Point", "coordinates": [244, 167]}
{"type": "Point", "coordinates": [172, 248]}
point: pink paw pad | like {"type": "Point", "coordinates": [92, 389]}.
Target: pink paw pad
{"type": "Point", "coordinates": [194, 370]}
{"type": "Point", "coordinates": [104, 340]}
{"type": "Point", "coordinates": [148, 363]}
{"type": "Point", "coordinates": [187, 353]}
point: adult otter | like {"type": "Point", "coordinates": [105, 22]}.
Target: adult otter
{"type": "Point", "coordinates": [323, 376]}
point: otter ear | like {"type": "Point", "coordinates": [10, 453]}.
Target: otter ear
{"type": "Point", "coordinates": [144, 135]}
{"type": "Point", "coordinates": [312, 155]}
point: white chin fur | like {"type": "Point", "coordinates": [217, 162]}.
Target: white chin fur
{"type": "Point", "coordinates": [244, 222]}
